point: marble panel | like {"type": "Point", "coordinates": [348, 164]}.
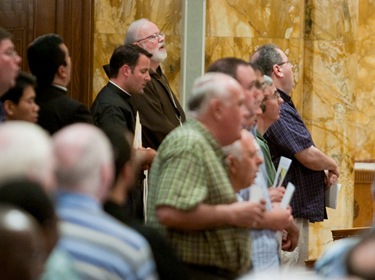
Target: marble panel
{"type": "Point", "coordinates": [257, 18]}
{"type": "Point", "coordinates": [329, 113]}
{"type": "Point", "coordinates": [365, 93]}
{"type": "Point", "coordinates": [113, 17]}
{"type": "Point", "coordinates": [331, 20]}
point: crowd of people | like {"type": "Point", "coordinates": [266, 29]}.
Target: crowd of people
{"type": "Point", "coordinates": [74, 199]}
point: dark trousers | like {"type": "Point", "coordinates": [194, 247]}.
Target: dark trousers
{"type": "Point", "coordinates": [203, 272]}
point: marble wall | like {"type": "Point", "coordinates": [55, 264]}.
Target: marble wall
{"type": "Point", "coordinates": [365, 74]}
{"type": "Point", "coordinates": [329, 42]}
{"type": "Point", "coordinates": [112, 19]}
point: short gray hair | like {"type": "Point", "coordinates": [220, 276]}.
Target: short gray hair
{"type": "Point", "coordinates": [266, 57]}
{"type": "Point", "coordinates": [26, 151]}
{"type": "Point", "coordinates": [267, 80]}
{"type": "Point", "coordinates": [207, 87]}
{"type": "Point", "coordinates": [131, 34]}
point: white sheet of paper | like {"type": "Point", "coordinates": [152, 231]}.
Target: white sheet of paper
{"type": "Point", "coordinates": [137, 141]}
{"type": "Point", "coordinates": [290, 188]}
{"type": "Point", "coordinates": [331, 195]}
{"type": "Point", "coordinates": [282, 169]}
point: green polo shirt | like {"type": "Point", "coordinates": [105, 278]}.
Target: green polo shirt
{"type": "Point", "coordinates": [271, 171]}
{"type": "Point", "coordinates": [187, 171]}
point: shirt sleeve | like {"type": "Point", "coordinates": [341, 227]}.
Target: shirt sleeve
{"type": "Point", "coordinates": [289, 133]}
{"type": "Point", "coordinates": [183, 180]}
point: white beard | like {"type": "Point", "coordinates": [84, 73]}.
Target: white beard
{"type": "Point", "coordinates": [159, 56]}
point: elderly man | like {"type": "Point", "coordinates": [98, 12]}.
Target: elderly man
{"type": "Point", "coordinates": [100, 246]}
{"type": "Point", "coordinates": [50, 63]}
{"type": "Point", "coordinates": [243, 161]}
{"type": "Point", "coordinates": [190, 197]}
{"type": "Point", "coordinates": [159, 109]}
{"type": "Point", "coordinates": [290, 138]}
{"type": "Point", "coordinates": [265, 245]}
{"type": "Point", "coordinates": [26, 151]}
{"type": "Point", "coordinates": [9, 62]}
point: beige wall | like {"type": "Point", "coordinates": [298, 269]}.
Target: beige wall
{"type": "Point", "coordinates": [330, 42]}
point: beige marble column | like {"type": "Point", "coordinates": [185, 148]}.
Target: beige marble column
{"type": "Point", "coordinates": [365, 93]}
{"type": "Point", "coordinates": [330, 63]}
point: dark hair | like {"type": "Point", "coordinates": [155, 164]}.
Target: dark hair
{"type": "Point", "coordinates": [257, 67]}
{"type": "Point", "coordinates": [125, 54]}
{"type": "Point", "coordinates": [227, 65]}
{"type": "Point", "coordinates": [4, 34]}
{"type": "Point", "coordinates": [266, 57]}
{"type": "Point", "coordinates": [120, 145]}
{"type": "Point", "coordinates": [45, 56]}
{"type": "Point", "coordinates": [30, 197]}
{"type": "Point", "coordinates": [15, 93]}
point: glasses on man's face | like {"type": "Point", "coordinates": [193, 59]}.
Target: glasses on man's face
{"type": "Point", "coordinates": [274, 95]}
{"type": "Point", "coordinates": [257, 84]}
{"type": "Point", "coordinates": [10, 53]}
{"type": "Point", "coordinates": [153, 37]}
{"type": "Point", "coordinates": [285, 62]}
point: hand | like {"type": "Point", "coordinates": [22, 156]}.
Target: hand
{"type": "Point", "coordinates": [331, 178]}
{"type": "Point", "coordinates": [290, 237]}
{"type": "Point", "coordinates": [144, 157]}
{"type": "Point", "coordinates": [277, 218]}
{"type": "Point", "coordinates": [248, 214]}
{"type": "Point", "coordinates": [276, 194]}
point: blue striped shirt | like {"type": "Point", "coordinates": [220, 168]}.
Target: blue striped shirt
{"type": "Point", "coordinates": [100, 246]}
{"type": "Point", "coordinates": [265, 247]}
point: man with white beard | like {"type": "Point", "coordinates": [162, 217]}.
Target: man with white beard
{"type": "Point", "coordinates": [159, 110]}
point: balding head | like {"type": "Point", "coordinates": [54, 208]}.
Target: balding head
{"type": "Point", "coordinates": [21, 245]}
{"type": "Point", "coordinates": [26, 151]}
{"type": "Point", "coordinates": [218, 102]}
{"type": "Point", "coordinates": [243, 160]}
{"type": "Point", "coordinates": [84, 160]}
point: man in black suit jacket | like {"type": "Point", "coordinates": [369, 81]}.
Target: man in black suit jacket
{"type": "Point", "coordinates": [129, 73]}
{"type": "Point", "coordinates": [49, 61]}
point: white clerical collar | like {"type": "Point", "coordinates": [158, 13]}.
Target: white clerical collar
{"type": "Point", "coordinates": [119, 87]}
{"type": "Point", "coordinates": [60, 87]}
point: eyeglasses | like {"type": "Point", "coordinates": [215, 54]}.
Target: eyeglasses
{"type": "Point", "coordinates": [285, 62]}
{"type": "Point", "coordinates": [274, 95]}
{"type": "Point", "coordinates": [10, 53]}
{"type": "Point", "coordinates": [153, 37]}
{"type": "Point", "coordinates": [257, 84]}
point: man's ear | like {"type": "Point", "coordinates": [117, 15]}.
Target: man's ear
{"type": "Point", "coordinates": [125, 70]}
{"type": "Point", "coordinates": [216, 106]}
{"type": "Point", "coordinates": [278, 71]}
{"type": "Point", "coordinates": [232, 164]}
{"type": "Point", "coordinates": [9, 107]}
{"type": "Point", "coordinates": [61, 71]}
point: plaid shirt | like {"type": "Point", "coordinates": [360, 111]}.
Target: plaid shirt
{"type": "Point", "coordinates": [286, 137]}
{"type": "Point", "coordinates": [187, 171]}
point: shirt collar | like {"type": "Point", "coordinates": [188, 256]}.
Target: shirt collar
{"type": "Point", "coordinates": [60, 87]}
{"type": "Point", "coordinates": [284, 96]}
{"type": "Point", "coordinates": [119, 88]}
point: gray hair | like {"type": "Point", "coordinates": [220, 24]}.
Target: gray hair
{"type": "Point", "coordinates": [81, 151]}
{"type": "Point", "coordinates": [266, 57]}
{"type": "Point", "coordinates": [26, 151]}
{"type": "Point", "coordinates": [131, 34]}
{"type": "Point", "coordinates": [207, 87]}
{"type": "Point", "coordinates": [236, 148]}
{"type": "Point", "coordinates": [267, 80]}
